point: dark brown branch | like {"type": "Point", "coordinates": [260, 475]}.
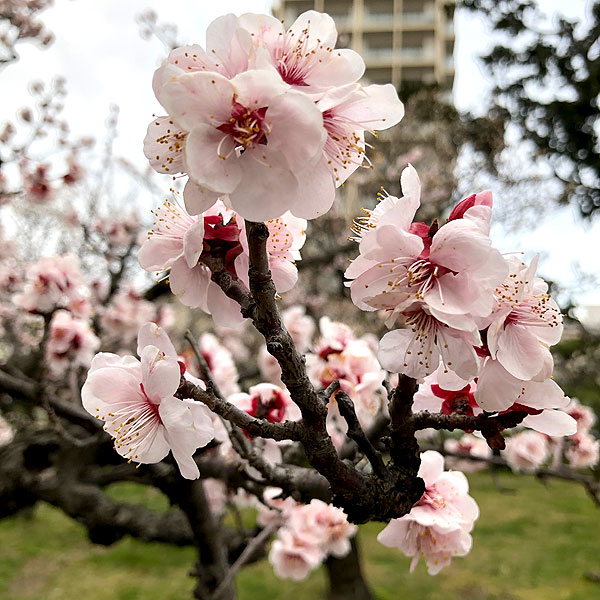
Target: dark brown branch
{"type": "Point", "coordinates": [356, 433]}
{"type": "Point", "coordinates": [491, 427]}
{"type": "Point", "coordinates": [287, 430]}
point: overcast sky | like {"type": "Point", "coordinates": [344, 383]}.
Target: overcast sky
{"type": "Point", "coordinates": [100, 52]}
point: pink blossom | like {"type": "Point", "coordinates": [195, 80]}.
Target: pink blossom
{"type": "Point", "coordinates": [119, 231]}
{"type": "Point", "coordinates": [178, 240]}
{"type": "Point", "coordinates": [137, 403]}
{"type": "Point", "coordinates": [497, 390]}
{"type": "Point", "coordinates": [584, 415]}
{"type": "Point", "coordinates": [281, 507]}
{"type": "Point", "coordinates": [37, 185]}
{"type": "Point", "coordinates": [54, 282]}
{"type": "Point", "coordinates": [434, 396]}
{"type": "Point", "coordinates": [292, 557]}
{"type": "Point", "coordinates": [526, 451]}
{"type": "Point", "coordinates": [300, 325]}
{"type": "Point", "coordinates": [348, 112]}
{"type": "Point", "coordinates": [323, 525]}
{"type": "Point", "coordinates": [220, 363]}
{"type": "Point", "coordinates": [438, 526]}
{"type": "Point", "coordinates": [469, 445]}
{"type": "Point", "coordinates": [267, 401]}
{"type": "Point", "coordinates": [6, 432]}
{"type": "Point", "coordinates": [524, 324]}
{"type": "Point", "coordinates": [305, 54]}
{"type": "Point", "coordinates": [437, 280]}
{"type": "Point", "coordinates": [246, 137]}
{"type": "Point", "coordinates": [583, 451]}
{"type": "Point", "coordinates": [71, 343]}
{"type": "Point", "coordinates": [125, 314]}
{"type": "Point", "coordinates": [339, 355]}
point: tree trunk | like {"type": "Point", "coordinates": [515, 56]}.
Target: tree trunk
{"type": "Point", "coordinates": [346, 581]}
{"type": "Point", "coordinates": [213, 564]}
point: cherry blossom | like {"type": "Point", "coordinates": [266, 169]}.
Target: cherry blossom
{"type": "Point", "coordinates": [54, 282]}
{"type": "Point", "coordinates": [246, 137]}
{"type": "Point", "coordinates": [137, 403]}
{"type": "Point", "coordinates": [438, 526]}
{"type": "Point", "coordinates": [323, 525]}
{"type": "Point", "coordinates": [71, 343]}
{"type": "Point", "coordinates": [292, 557]}
{"type": "Point", "coordinates": [305, 55]}
{"type": "Point", "coordinates": [177, 241]}
{"type": "Point", "coordinates": [583, 451]}
{"type": "Point", "coordinates": [267, 401]}
{"type": "Point", "coordinates": [339, 355]}
{"type": "Point", "coordinates": [437, 280]}
{"type": "Point", "coordinates": [526, 451]}
{"type": "Point", "coordinates": [470, 445]}
{"type": "Point", "coordinates": [6, 432]}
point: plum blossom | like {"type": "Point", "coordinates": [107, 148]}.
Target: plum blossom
{"type": "Point", "coordinates": [309, 534]}
{"type": "Point", "coordinates": [245, 137]}
{"type": "Point", "coordinates": [437, 280]}
{"type": "Point", "coordinates": [136, 401]}
{"type": "Point", "coordinates": [6, 432]}
{"type": "Point", "coordinates": [267, 401]}
{"type": "Point", "coordinates": [340, 355]}
{"type": "Point", "coordinates": [325, 525]}
{"type": "Point", "coordinates": [469, 445]}
{"type": "Point", "coordinates": [444, 392]}
{"type": "Point", "coordinates": [584, 415]}
{"type": "Point", "coordinates": [125, 314]}
{"type": "Point", "coordinates": [305, 55]}
{"type": "Point", "coordinates": [438, 526]}
{"type": "Point", "coordinates": [220, 363]}
{"type": "Point", "coordinates": [434, 396]}
{"type": "Point", "coordinates": [119, 231]}
{"type": "Point", "coordinates": [292, 557]}
{"type": "Point", "coordinates": [281, 109]}
{"type": "Point", "coordinates": [526, 451]}
{"type": "Point", "coordinates": [178, 240]}
{"type": "Point", "coordinates": [71, 343]}
{"type": "Point", "coordinates": [54, 282]}
{"type": "Point", "coordinates": [583, 451]}
{"type": "Point", "coordinates": [524, 324]}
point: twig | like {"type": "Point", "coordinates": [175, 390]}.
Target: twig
{"type": "Point", "coordinates": [356, 433]}
{"type": "Point", "coordinates": [255, 543]}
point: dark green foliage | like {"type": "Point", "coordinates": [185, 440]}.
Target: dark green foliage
{"type": "Point", "coordinates": [547, 82]}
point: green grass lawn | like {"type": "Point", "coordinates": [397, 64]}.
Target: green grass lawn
{"type": "Point", "coordinates": [537, 543]}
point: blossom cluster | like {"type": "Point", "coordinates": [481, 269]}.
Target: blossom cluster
{"type": "Point", "coordinates": [438, 526]}
{"type": "Point", "coordinates": [136, 400]}
{"type": "Point", "coordinates": [340, 355]}
{"type": "Point", "coordinates": [527, 451]}
{"type": "Point", "coordinates": [270, 120]}
{"type": "Point", "coordinates": [478, 323]}
{"type": "Point", "coordinates": [178, 243]}
{"type": "Point", "coordinates": [307, 535]}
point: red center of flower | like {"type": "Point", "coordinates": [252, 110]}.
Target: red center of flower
{"type": "Point", "coordinates": [223, 238]}
{"type": "Point", "coordinates": [247, 127]}
{"type": "Point", "coordinates": [273, 410]}
{"type": "Point", "coordinates": [455, 401]}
